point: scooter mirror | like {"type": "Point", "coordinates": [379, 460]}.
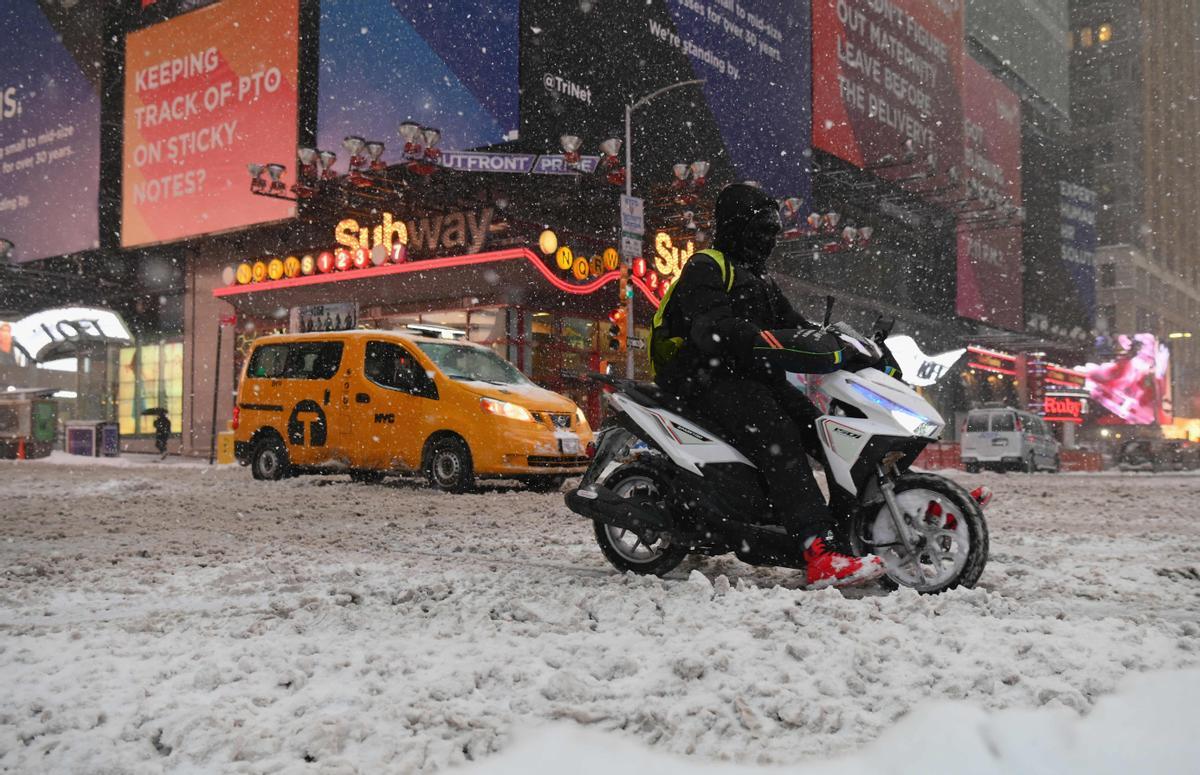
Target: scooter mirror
{"type": "Point", "coordinates": [883, 326]}
{"type": "Point", "coordinates": [828, 311]}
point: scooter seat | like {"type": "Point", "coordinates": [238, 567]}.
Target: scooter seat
{"type": "Point", "coordinates": [651, 396]}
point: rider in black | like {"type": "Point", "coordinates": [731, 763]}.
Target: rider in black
{"type": "Point", "coordinates": [723, 307]}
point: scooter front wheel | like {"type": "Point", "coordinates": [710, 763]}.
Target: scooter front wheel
{"type": "Point", "coordinates": [646, 552]}
{"type": "Point", "coordinates": [949, 527]}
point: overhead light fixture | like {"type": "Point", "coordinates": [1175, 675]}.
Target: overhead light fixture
{"type": "Point", "coordinates": [327, 159]}
{"type": "Point", "coordinates": [410, 133]}
{"type": "Point", "coordinates": [375, 151]}
{"type": "Point", "coordinates": [570, 145]}
{"type": "Point", "coordinates": [257, 181]}
{"type": "Point", "coordinates": [275, 171]}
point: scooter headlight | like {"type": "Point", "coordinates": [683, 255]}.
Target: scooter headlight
{"type": "Point", "coordinates": [912, 421]}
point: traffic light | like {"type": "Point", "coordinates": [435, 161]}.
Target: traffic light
{"type": "Point", "coordinates": [617, 330]}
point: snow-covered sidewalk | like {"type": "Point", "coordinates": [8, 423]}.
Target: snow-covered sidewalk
{"type": "Point", "coordinates": [189, 618]}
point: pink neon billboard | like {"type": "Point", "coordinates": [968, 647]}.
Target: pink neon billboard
{"type": "Point", "coordinates": [1136, 385]}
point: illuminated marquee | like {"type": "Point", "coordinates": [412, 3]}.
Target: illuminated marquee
{"type": "Point", "coordinates": [462, 230]}
{"type": "Point", "coordinates": [1063, 409]}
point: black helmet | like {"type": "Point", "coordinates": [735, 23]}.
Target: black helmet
{"type": "Point", "coordinates": [747, 224]}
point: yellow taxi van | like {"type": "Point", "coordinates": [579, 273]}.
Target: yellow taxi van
{"type": "Point", "coordinates": [371, 403]}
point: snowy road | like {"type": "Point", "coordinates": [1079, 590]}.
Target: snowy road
{"type": "Point", "coordinates": [177, 617]}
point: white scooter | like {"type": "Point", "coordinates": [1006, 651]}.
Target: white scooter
{"type": "Point", "coordinates": [661, 485]}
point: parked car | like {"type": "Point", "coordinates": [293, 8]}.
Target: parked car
{"type": "Point", "coordinates": [1008, 439]}
{"type": "Point", "coordinates": [1180, 455]}
{"type": "Point", "coordinates": [372, 403]}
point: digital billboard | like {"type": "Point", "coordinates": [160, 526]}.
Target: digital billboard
{"type": "Point", "coordinates": [582, 63]}
{"type": "Point", "coordinates": [1135, 386]}
{"type": "Point", "coordinates": [49, 131]}
{"type": "Point", "coordinates": [989, 247]}
{"type": "Point", "coordinates": [451, 66]}
{"type": "Point", "coordinates": [887, 72]}
{"type": "Point", "coordinates": [1077, 222]}
{"type": "Point", "coordinates": [207, 93]}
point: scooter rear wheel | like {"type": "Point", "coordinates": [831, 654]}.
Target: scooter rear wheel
{"type": "Point", "coordinates": [645, 552]}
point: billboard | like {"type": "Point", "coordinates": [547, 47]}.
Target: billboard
{"type": "Point", "coordinates": [206, 93]}
{"type": "Point", "coordinates": [1135, 386]}
{"type": "Point", "coordinates": [886, 73]}
{"type": "Point", "coordinates": [1077, 221]}
{"type": "Point", "coordinates": [450, 65]}
{"type": "Point", "coordinates": [49, 130]}
{"type": "Point", "coordinates": [1027, 36]}
{"type": "Point", "coordinates": [989, 254]}
{"type": "Point", "coordinates": [582, 63]}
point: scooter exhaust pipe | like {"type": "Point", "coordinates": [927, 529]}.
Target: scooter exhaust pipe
{"type": "Point", "coordinates": [597, 502]}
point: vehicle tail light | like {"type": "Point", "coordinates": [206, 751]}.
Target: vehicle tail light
{"type": "Point", "coordinates": [237, 415]}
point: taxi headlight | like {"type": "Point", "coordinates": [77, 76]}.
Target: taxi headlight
{"type": "Point", "coordinates": [579, 415]}
{"type": "Point", "coordinates": [505, 409]}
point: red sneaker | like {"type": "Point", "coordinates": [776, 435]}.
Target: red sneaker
{"type": "Point", "coordinates": [827, 568]}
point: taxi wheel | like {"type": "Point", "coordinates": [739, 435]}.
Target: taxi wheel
{"type": "Point", "coordinates": [448, 465]}
{"type": "Point", "coordinates": [269, 460]}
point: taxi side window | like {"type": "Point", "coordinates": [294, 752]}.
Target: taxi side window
{"type": "Point", "coordinates": [313, 360]}
{"type": "Point", "coordinates": [391, 366]}
{"type": "Point", "coordinates": [310, 360]}
{"type": "Point", "coordinates": [268, 362]}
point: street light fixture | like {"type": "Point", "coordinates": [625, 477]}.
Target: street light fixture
{"type": "Point", "coordinates": [629, 192]}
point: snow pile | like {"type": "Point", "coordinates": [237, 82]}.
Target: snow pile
{"type": "Point", "coordinates": [170, 617]}
{"type": "Point", "coordinates": [1150, 726]}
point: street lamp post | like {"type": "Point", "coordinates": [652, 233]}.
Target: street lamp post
{"type": "Point", "coordinates": [628, 260]}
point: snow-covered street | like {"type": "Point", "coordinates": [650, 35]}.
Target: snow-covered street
{"type": "Point", "coordinates": [174, 616]}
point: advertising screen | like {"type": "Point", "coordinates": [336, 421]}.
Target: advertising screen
{"type": "Point", "coordinates": [989, 249]}
{"type": "Point", "coordinates": [582, 63]}
{"type": "Point", "coordinates": [207, 93]}
{"type": "Point", "coordinates": [1077, 214]}
{"type": "Point", "coordinates": [1135, 385]}
{"type": "Point", "coordinates": [886, 72]}
{"type": "Point", "coordinates": [49, 131]}
{"type": "Point", "coordinates": [451, 66]}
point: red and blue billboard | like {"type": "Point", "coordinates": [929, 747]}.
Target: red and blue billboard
{"type": "Point", "coordinates": [990, 284]}
{"type": "Point", "coordinates": [206, 93]}
{"type": "Point", "coordinates": [887, 77]}
{"type": "Point", "coordinates": [49, 131]}
{"type": "Point", "coordinates": [451, 66]}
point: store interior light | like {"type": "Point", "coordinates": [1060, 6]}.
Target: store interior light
{"type": "Point", "coordinates": [699, 170]}
{"type": "Point", "coordinates": [1180, 335]}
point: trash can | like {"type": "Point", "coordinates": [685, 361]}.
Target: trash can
{"type": "Point", "coordinates": [83, 437]}
{"type": "Point", "coordinates": [110, 439]}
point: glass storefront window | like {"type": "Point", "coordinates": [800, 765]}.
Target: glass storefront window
{"type": "Point", "coordinates": [148, 376]}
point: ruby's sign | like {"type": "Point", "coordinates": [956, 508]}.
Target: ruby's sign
{"type": "Point", "coordinates": [1062, 409]}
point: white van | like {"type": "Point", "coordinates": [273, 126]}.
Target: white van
{"type": "Point", "coordinates": [1008, 439]}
